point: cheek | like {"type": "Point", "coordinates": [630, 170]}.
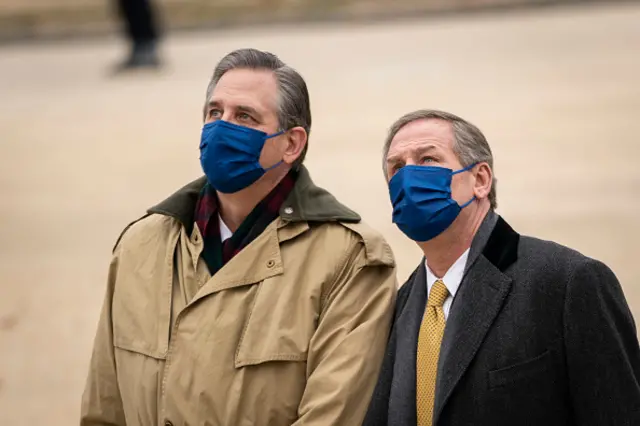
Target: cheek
{"type": "Point", "coordinates": [272, 151]}
{"type": "Point", "coordinates": [462, 188]}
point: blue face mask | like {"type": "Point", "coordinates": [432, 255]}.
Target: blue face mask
{"type": "Point", "coordinates": [422, 203]}
{"type": "Point", "coordinates": [230, 154]}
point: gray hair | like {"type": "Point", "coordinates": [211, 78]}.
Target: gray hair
{"type": "Point", "coordinates": [293, 98]}
{"type": "Point", "coordinates": [470, 145]}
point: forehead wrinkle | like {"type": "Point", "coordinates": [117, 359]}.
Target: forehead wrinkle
{"type": "Point", "coordinates": [414, 146]}
{"type": "Point", "coordinates": [247, 87]}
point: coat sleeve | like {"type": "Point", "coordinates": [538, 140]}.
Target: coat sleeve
{"type": "Point", "coordinates": [347, 348]}
{"type": "Point", "coordinates": [603, 356]}
{"type": "Point", "coordinates": [101, 402]}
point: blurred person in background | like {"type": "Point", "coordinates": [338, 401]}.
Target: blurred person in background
{"type": "Point", "coordinates": [141, 27]}
{"type": "Point", "coordinates": [494, 328]}
{"type": "Point", "coordinates": [251, 296]}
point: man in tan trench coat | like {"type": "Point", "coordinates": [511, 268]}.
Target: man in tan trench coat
{"type": "Point", "coordinates": [250, 296]}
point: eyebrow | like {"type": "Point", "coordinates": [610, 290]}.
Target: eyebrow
{"type": "Point", "coordinates": [241, 108]}
{"type": "Point", "coordinates": [249, 110]}
{"type": "Point", "coordinates": [420, 150]}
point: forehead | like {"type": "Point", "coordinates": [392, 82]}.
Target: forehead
{"type": "Point", "coordinates": [418, 133]}
{"type": "Point", "coordinates": [248, 87]}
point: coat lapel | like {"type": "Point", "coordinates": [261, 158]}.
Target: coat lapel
{"type": "Point", "coordinates": [477, 303]}
{"type": "Point", "coordinates": [402, 398]}
{"type": "Point", "coordinates": [481, 239]}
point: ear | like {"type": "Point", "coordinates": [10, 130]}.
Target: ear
{"type": "Point", "coordinates": [296, 141]}
{"type": "Point", "coordinates": [484, 181]}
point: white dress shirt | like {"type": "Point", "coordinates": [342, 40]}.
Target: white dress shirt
{"type": "Point", "coordinates": [225, 232]}
{"type": "Point", "coordinates": [451, 279]}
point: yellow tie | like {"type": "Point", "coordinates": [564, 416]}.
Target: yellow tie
{"type": "Point", "coordinates": [431, 332]}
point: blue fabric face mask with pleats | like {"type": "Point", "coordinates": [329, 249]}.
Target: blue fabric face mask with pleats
{"type": "Point", "coordinates": [422, 203]}
{"type": "Point", "coordinates": [230, 155]}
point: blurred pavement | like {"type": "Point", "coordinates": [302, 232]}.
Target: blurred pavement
{"type": "Point", "coordinates": [557, 94]}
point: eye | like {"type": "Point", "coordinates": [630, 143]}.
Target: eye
{"type": "Point", "coordinates": [428, 159]}
{"type": "Point", "coordinates": [243, 116]}
{"type": "Point", "coordinates": [394, 169]}
{"type": "Point", "coordinates": [214, 113]}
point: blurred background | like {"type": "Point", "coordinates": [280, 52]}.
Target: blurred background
{"type": "Point", "coordinates": [85, 147]}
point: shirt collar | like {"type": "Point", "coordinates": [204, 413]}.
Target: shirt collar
{"type": "Point", "coordinates": [225, 232]}
{"type": "Point", "coordinates": [452, 278]}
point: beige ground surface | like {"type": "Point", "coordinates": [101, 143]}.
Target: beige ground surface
{"type": "Point", "coordinates": [46, 18]}
{"type": "Point", "coordinates": [558, 95]}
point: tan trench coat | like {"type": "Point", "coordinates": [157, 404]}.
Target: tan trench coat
{"type": "Point", "coordinates": [290, 332]}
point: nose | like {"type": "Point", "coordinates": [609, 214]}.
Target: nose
{"type": "Point", "coordinates": [410, 162]}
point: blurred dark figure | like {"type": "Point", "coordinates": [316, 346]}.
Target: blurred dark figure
{"type": "Point", "coordinates": [141, 26]}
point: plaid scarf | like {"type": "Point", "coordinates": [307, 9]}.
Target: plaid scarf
{"type": "Point", "coordinates": [216, 253]}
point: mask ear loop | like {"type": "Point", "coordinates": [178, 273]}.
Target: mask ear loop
{"type": "Point", "coordinates": [274, 166]}
{"type": "Point", "coordinates": [281, 132]}
{"type": "Point", "coordinates": [469, 167]}
{"type": "Point", "coordinates": [468, 202]}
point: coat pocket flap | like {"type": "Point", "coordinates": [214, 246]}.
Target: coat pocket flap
{"type": "Point", "coordinates": [141, 320]}
{"type": "Point", "coordinates": [273, 331]}
{"type": "Point", "coordinates": [139, 348]}
{"type": "Point", "coordinates": [519, 372]}
{"type": "Point", "coordinates": [243, 361]}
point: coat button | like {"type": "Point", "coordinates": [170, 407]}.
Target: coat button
{"type": "Point", "coordinates": [270, 263]}
{"type": "Point", "coordinates": [288, 210]}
